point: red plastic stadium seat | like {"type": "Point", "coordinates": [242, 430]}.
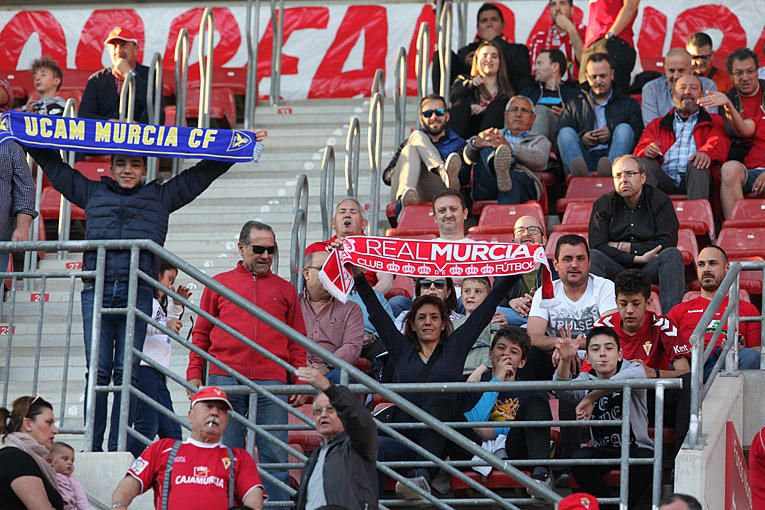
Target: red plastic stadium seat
{"type": "Point", "coordinates": [552, 240]}
{"type": "Point", "coordinates": [415, 220]}
{"type": "Point", "coordinates": [686, 243]}
{"type": "Point", "coordinates": [749, 212]}
{"type": "Point", "coordinates": [576, 217]}
{"type": "Point", "coordinates": [295, 474]}
{"type": "Point", "coordinates": [751, 282]}
{"type": "Point", "coordinates": [402, 286]}
{"type": "Point", "coordinates": [50, 203]}
{"type": "Point", "coordinates": [693, 294]}
{"type": "Point", "coordinates": [478, 205]}
{"type": "Point", "coordinates": [585, 189]}
{"type": "Point", "coordinates": [93, 170]}
{"type": "Point", "coordinates": [222, 106]}
{"type": "Point", "coordinates": [495, 480]}
{"type": "Point", "coordinates": [497, 217]}
{"type": "Point", "coordinates": [743, 243]}
{"type": "Point", "coordinates": [695, 215]}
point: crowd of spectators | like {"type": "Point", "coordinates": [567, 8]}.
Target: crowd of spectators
{"type": "Point", "coordinates": [696, 129]}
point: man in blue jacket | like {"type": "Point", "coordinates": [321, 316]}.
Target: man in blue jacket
{"type": "Point", "coordinates": [122, 207]}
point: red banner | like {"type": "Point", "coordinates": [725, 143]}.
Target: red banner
{"type": "Point", "coordinates": [738, 494]}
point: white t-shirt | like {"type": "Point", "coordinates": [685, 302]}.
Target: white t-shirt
{"type": "Point", "coordinates": [580, 315]}
{"type": "Point", "coordinates": [158, 345]}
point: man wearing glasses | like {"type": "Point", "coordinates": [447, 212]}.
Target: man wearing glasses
{"type": "Point", "coordinates": [253, 280]}
{"type": "Point", "coordinates": [699, 45]}
{"type": "Point", "coordinates": [429, 161]}
{"type": "Point", "coordinates": [635, 226]}
{"type": "Point", "coordinates": [505, 160]}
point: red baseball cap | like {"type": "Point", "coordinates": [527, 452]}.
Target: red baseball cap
{"type": "Point", "coordinates": [209, 393]}
{"type": "Point", "coordinates": [121, 34]}
{"type": "Point", "coordinates": [579, 501]}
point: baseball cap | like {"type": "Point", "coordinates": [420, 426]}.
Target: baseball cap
{"type": "Point", "coordinates": [579, 501]}
{"type": "Point", "coordinates": [209, 393]}
{"type": "Point", "coordinates": [121, 34]}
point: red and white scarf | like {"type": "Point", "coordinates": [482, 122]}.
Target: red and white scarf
{"type": "Point", "coordinates": [428, 259]}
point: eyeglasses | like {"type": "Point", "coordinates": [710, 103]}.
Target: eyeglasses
{"type": "Point", "coordinates": [701, 57]}
{"type": "Point", "coordinates": [440, 112]}
{"type": "Point", "coordinates": [515, 109]}
{"type": "Point", "coordinates": [258, 249]}
{"type": "Point", "coordinates": [531, 230]}
{"type": "Point", "coordinates": [439, 284]}
{"type": "Point", "coordinates": [621, 175]}
{"type": "Point", "coordinates": [318, 411]}
{"type": "Point", "coordinates": [318, 268]}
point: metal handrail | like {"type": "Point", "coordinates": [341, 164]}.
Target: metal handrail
{"type": "Point", "coordinates": [378, 83]}
{"type": "Point", "coordinates": [422, 60]}
{"type": "Point", "coordinates": [728, 358]}
{"type": "Point", "coordinates": [65, 207]}
{"type": "Point", "coordinates": [399, 95]}
{"type": "Point", "coordinates": [127, 98]}
{"type": "Point", "coordinates": [374, 151]}
{"type": "Point", "coordinates": [277, 29]}
{"type": "Point", "coordinates": [181, 74]}
{"type": "Point", "coordinates": [154, 106]}
{"type": "Point", "coordinates": [352, 152]}
{"type": "Point", "coordinates": [30, 258]}
{"type": "Point", "coordinates": [299, 230]}
{"type": "Point", "coordinates": [251, 85]}
{"type": "Point", "coordinates": [462, 23]}
{"type": "Point", "coordinates": [327, 190]}
{"type": "Point", "coordinates": [206, 35]}
{"type": "Point", "coordinates": [445, 48]}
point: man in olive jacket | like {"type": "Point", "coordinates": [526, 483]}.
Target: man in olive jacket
{"type": "Point", "coordinates": [342, 471]}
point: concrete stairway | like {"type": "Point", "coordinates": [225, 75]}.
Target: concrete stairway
{"type": "Point", "coordinates": [204, 233]}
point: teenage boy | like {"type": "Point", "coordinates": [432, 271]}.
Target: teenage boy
{"type": "Point", "coordinates": [605, 356]}
{"type": "Point", "coordinates": [509, 349]}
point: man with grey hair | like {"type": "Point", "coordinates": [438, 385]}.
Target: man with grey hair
{"type": "Point", "coordinates": [505, 159]}
{"type": "Point", "coordinates": [253, 280]}
{"type": "Point", "coordinates": [657, 94]}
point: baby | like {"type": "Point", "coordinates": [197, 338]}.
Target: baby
{"type": "Point", "coordinates": [61, 457]}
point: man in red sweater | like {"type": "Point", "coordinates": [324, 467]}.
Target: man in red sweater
{"type": "Point", "coordinates": [253, 280]}
{"type": "Point", "coordinates": [711, 266]}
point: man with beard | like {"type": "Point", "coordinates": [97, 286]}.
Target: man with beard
{"type": "Point", "coordinates": [506, 160]}
{"type": "Point", "coordinates": [680, 149]}
{"type": "Point", "coordinates": [429, 161]}
{"type": "Point", "coordinates": [203, 472]}
{"type": "Point", "coordinates": [711, 266]}
{"type": "Point", "coordinates": [598, 125]}
{"type": "Point", "coordinates": [658, 93]}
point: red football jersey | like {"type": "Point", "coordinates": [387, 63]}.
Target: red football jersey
{"type": "Point", "coordinates": [657, 343]}
{"type": "Point", "coordinates": [687, 315]}
{"type": "Point", "coordinates": [200, 474]}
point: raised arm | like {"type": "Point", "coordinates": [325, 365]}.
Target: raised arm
{"type": "Point", "coordinates": [383, 323]}
{"type": "Point", "coordinates": [69, 182]}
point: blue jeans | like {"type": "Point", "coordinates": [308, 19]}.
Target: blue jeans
{"type": "Point", "coordinates": [485, 182]}
{"type": "Point", "coordinates": [4, 257]}
{"type": "Point", "coordinates": [571, 147]}
{"type": "Point", "coordinates": [268, 413]}
{"type": "Point", "coordinates": [111, 351]}
{"type": "Point", "coordinates": [399, 304]}
{"type": "Point", "coordinates": [748, 359]}
{"type": "Point", "coordinates": [391, 450]}
{"type": "Point", "coordinates": [148, 421]}
{"type": "Point", "coordinates": [513, 317]}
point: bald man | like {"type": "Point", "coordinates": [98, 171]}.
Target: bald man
{"type": "Point", "coordinates": [657, 94]}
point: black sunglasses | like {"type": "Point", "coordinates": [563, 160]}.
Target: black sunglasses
{"type": "Point", "coordinates": [439, 284]}
{"type": "Point", "coordinates": [440, 112]}
{"type": "Point", "coordinates": [258, 249]}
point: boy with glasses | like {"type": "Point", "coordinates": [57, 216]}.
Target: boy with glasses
{"type": "Point", "coordinates": [429, 161]}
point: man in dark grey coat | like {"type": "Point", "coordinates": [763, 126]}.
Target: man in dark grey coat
{"type": "Point", "coordinates": [342, 472]}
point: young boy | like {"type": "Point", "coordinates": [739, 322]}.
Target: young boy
{"type": "Point", "coordinates": [604, 354]}
{"type": "Point", "coordinates": [509, 349]}
{"type": "Point", "coordinates": [474, 291]}
{"type": "Point", "coordinates": [61, 458]}
{"type": "Point", "coordinates": [47, 80]}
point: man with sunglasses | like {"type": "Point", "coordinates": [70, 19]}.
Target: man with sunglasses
{"type": "Point", "coordinates": [505, 160]}
{"type": "Point", "coordinates": [699, 46]}
{"type": "Point", "coordinates": [429, 161]}
{"type": "Point", "coordinates": [253, 280]}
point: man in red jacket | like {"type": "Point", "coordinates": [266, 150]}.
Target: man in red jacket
{"type": "Point", "coordinates": [253, 280]}
{"type": "Point", "coordinates": [680, 149]}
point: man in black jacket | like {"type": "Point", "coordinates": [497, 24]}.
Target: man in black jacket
{"type": "Point", "coordinates": [101, 99]}
{"type": "Point", "coordinates": [342, 471]}
{"type": "Point", "coordinates": [635, 226]}
{"type": "Point", "coordinates": [599, 125]}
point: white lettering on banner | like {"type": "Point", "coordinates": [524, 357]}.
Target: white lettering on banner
{"type": "Point", "coordinates": [317, 60]}
{"type": "Point", "coordinates": [199, 480]}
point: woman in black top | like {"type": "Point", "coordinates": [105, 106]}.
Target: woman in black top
{"type": "Point", "coordinates": [478, 100]}
{"type": "Point", "coordinates": [428, 351]}
{"type": "Point", "coordinates": [26, 478]}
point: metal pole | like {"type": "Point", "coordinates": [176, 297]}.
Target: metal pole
{"type": "Point", "coordinates": [67, 349]}
{"type": "Point", "coordinates": [624, 465]}
{"type": "Point", "coordinates": [299, 224]}
{"type": "Point", "coordinates": [127, 98]}
{"type": "Point", "coordinates": [277, 28]}
{"type": "Point", "coordinates": [731, 360]}
{"type": "Point", "coordinates": [352, 150]}
{"type": "Point", "coordinates": [422, 60]}
{"type": "Point", "coordinates": [374, 151]}
{"type": "Point", "coordinates": [181, 85]}
{"type": "Point", "coordinates": [95, 336]}
{"type": "Point", "coordinates": [445, 49]}
{"type": "Point", "coordinates": [462, 23]}
{"type": "Point", "coordinates": [327, 189]}
{"type": "Point", "coordinates": [65, 207]}
{"type": "Point", "coordinates": [206, 35]}
{"type": "Point", "coordinates": [658, 445]}
{"type": "Point", "coordinates": [378, 83]}
{"type": "Point", "coordinates": [127, 357]}
{"type": "Point", "coordinates": [30, 263]}
{"type": "Point", "coordinates": [38, 339]}
{"type": "Point", "coordinates": [251, 37]}
{"type": "Point", "coordinates": [399, 95]}
{"type": "Point", "coordinates": [154, 106]}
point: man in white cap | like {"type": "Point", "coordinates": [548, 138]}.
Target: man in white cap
{"type": "Point", "coordinates": [198, 473]}
{"type": "Point", "coordinates": [101, 99]}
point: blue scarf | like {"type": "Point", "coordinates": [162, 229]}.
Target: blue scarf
{"type": "Point", "coordinates": [107, 137]}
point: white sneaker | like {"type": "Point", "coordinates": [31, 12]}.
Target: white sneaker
{"type": "Point", "coordinates": [408, 493]}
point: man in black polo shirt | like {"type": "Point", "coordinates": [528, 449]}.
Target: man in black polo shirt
{"type": "Point", "coordinates": [636, 226]}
